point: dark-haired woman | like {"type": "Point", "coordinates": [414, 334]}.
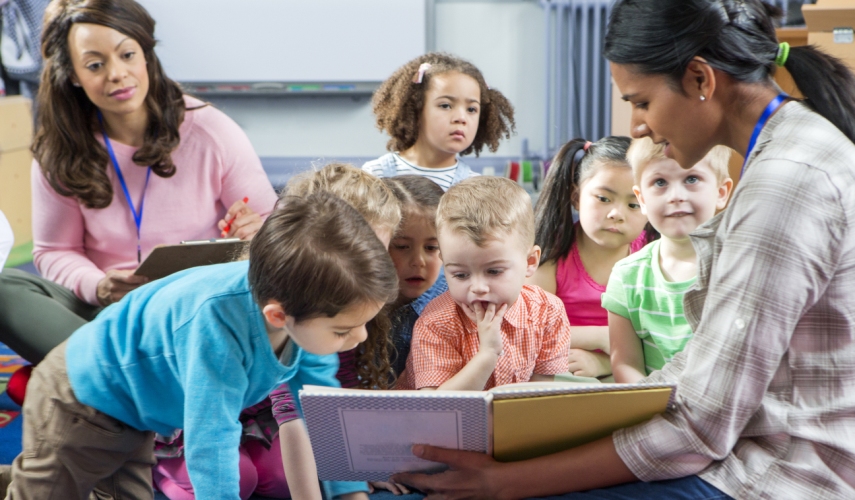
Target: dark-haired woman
{"type": "Point", "coordinates": [766, 400]}
{"type": "Point", "coordinates": [123, 162]}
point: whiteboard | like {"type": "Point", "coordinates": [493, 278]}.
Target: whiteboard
{"type": "Point", "coordinates": [286, 40]}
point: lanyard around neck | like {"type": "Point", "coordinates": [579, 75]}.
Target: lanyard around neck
{"type": "Point", "coordinates": [137, 215]}
{"type": "Point", "coordinates": [770, 108]}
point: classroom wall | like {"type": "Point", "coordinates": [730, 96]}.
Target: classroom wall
{"type": "Point", "coordinates": [504, 38]}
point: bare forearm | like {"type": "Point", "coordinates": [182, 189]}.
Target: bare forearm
{"type": "Point", "coordinates": [473, 376]}
{"type": "Point", "coordinates": [298, 460]}
{"type": "Point", "coordinates": [594, 465]}
{"type": "Point", "coordinates": [590, 338]}
{"type": "Point", "coordinates": [625, 374]}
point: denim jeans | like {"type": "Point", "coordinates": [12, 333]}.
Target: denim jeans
{"type": "Point", "coordinates": [686, 488]}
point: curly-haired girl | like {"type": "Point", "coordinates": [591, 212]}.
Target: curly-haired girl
{"type": "Point", "coordinates": [436, 107]}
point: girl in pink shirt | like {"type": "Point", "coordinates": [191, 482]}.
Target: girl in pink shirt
{"type": "Point", "coordinates": [123, 162]}
{"type": "Point", "coordinates": [595, 180]}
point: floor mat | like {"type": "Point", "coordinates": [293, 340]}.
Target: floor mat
{"type": "Point", "coordinates": [11, 426]}
{"type": "Point", "coordinates": [9, 362]}
{"type": "Point", "coordinates": [11, 423]}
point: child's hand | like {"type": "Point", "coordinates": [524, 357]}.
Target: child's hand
{"type": "Point", "coordinates": [397, 489]}
{"type": "Point", "coordinates": [489, 323]}
{"type": "Point", "coordinates": [589, 364]}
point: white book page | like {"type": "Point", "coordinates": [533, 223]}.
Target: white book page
{"type": "Point", "coordinates": [383, 440]}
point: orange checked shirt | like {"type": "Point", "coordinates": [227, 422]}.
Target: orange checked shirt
{"type": "Point", "coordinates": [535, 339]}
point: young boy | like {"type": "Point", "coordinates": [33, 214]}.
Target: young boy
{"type": "Point", "coordinates": [191, 350]}
{"type": "Point", "coordinates": [489, 329]}
{"type": "Point", "coordinates": [644, 295]}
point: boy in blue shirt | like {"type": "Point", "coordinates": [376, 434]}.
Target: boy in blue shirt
{"type": "Point", "coordinates": [190, 351]}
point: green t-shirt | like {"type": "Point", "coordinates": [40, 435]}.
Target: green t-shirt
{"type": "Point", "coordinates": [637, 290]}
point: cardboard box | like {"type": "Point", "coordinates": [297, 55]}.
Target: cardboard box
{"type": "Point", "coordinates": [16, 134]}
{"type": "Point", "coordinates": [830, 26]}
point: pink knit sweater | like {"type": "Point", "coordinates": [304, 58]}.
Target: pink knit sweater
{"type": "Point", "coordinates": [215, 166]}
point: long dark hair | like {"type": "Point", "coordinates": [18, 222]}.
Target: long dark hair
{"type": "Point", "coordinates": [733, 36]}
{"type": "Point", "coordinates": [553, 214]}
{"type": "Point", "coordinates": [70, 157]}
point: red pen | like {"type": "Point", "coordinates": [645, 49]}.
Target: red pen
{"type": "Point", "coordinates": [229, 223]}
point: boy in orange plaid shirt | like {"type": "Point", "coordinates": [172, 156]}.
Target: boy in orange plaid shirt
{"type": "Point", "coordinates": [490, 328]}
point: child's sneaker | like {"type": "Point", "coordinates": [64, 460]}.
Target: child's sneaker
{"type": "Point", "coordinates": [17, 388]}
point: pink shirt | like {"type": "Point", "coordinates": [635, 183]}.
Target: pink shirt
{"type": "Point", "coordinates": [582, 296]}
{"type": "Point", "coordinates": [215, 166]}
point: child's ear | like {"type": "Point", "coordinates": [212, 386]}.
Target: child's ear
{"type": "Point", "coordinates": [637, 192]}
{"type": "Point", "coordinates": [532, 261]}
{"type": "Point", "coordinates": [274, 314]}
{"type": "Point", "coordinates": [574, 198]}
{"type": "Point", "coordinates": [724, 193]}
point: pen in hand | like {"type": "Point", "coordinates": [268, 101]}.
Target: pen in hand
{"type": "Point", "coordinates": [229, 222]}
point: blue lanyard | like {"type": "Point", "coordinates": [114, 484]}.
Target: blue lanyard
{"type": "Point", "coordinates": [770, 108]}
{"type": "Point", "coordinates": [137, 215]}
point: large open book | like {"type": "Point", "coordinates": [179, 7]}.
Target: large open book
{"type": "Point", "coordinates": [360, 435]}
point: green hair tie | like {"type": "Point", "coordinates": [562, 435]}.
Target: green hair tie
{"type": "Point", "coordinates": [783, 54]}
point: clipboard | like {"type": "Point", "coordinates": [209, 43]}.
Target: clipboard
{"type": "Point", "coordinates": [167, 259]}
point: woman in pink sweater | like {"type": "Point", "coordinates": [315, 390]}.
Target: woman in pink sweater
{"type": "Point", "coordinates": [123, 162]}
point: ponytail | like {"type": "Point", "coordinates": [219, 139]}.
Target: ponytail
{"type": "Point", "coordinates": [575, 162]}
{"type": "Point", "coordinates": [827, 84]}
{"type": "Point", "coordinates": [553, 213]}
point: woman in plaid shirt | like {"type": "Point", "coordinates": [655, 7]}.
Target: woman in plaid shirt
{"type": "Point", "coordinates": [766, 400]}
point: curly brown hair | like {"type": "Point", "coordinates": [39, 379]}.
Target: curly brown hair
{"type": "Point", "coordinates": [374, 356]}
{"type": "Point", "coordinates": [399, 101]}
{"type": "Point", "coordinates": [71, 159]}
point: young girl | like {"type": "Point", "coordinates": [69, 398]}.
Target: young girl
{"type": "Point", "coordinates": [415, 252]}
{"type": "Point", "coordinates": [190, 350]}
{"type": "Point", "coordinates": [436, 107]}
{"type": "Point", "coordinates": [595, 180]}
{"type": "Point", "coordinates": [261, 462]}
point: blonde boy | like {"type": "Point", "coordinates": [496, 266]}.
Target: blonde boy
{"type": "Point", "coordinates": [644, 295]}
{"type": "Point", "coordinates": [489, 329]}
